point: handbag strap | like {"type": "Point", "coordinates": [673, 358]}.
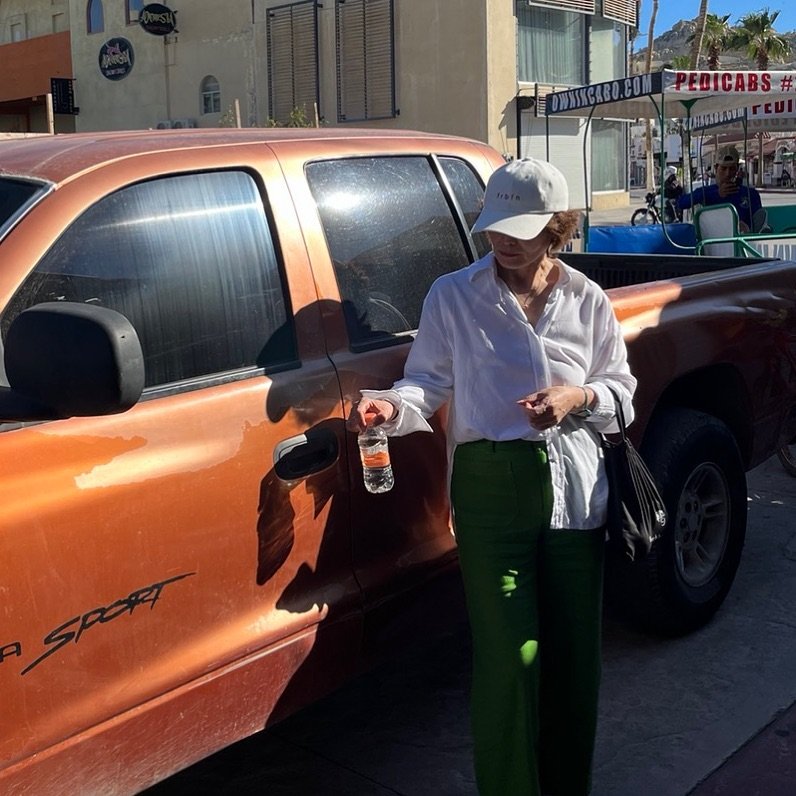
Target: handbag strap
{"type": "Point", "coordinates": [620, 413]}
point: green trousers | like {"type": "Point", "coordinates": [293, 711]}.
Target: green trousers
{"type": "Point", "coordinates": [534, 598]}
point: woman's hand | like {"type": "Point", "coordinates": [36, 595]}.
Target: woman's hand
{"type": "Point", "coordinates": [548, 407]}
{"type": "Point", "coordinates": [369, 412]}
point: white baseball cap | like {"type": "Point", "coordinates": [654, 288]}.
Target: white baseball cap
{"type": "Point", "coordinates": [521, 198]}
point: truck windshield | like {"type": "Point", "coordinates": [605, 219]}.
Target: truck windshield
{"type": "Point", "coordinates": [15, 196]}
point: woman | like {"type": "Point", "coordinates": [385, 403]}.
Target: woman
{"type": "Point", "coordinates": [525, 348]}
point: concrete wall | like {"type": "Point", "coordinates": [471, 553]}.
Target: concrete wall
{"type": "Point", "coordinates": [32, 18]}
{"type": "Point", "coordinates": [213, 38]}
{"type": "Point", "coordinates": [441, 64]}
{"type": "Point", "coordinates": [455, 67]}
{"type": "Point", "coordinates": [501, 69]}
{"type": "Point", "coordinates": [30, 54]}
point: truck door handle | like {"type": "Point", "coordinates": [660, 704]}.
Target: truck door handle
{"type": "Point", "coordinates": [305, 454]}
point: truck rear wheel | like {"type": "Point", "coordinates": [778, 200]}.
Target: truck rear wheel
{"type": "Point", "coordinates": [680, 585]}
{"type": "Point", "coordinates": [787, 458]}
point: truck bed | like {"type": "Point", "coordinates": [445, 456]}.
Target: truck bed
{"type": "Point", "coordinates": [621, 270]}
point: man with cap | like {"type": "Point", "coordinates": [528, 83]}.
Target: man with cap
{"type": "Point", "coordinates": [729, 190]}
{"type": "Point", "coordinates": [526, 351]}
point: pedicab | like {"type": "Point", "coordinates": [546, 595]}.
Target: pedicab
{"type": "Point", "coordinates": [701, 100]}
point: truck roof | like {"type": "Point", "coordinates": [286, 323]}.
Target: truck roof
{"type": "Point", "coordinates": [55, 158]}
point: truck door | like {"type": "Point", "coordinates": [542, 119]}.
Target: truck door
{"type": "Point", "coordinates": [391, 228]}
{"type": "Point", "coordinates": [176, 575]}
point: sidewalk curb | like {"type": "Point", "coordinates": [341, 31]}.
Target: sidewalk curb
{"type": "Point", "coordinates": [764, 766]}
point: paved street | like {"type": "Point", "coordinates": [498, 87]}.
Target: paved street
{"type": "Point", "coordinates": [673, 710]}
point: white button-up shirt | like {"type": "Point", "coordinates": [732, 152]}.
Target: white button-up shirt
{"type": "Point", "coordinates": [476, 348]}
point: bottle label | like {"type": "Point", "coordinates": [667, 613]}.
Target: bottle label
{"type": "Point", "coordinates": [376, 459]}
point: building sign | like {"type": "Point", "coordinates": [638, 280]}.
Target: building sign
{"type": "Point", "coordinates": [116, 58]}
{"type": "Point", "coordinates": [63, 94]}
{"type": "Point", "coordinates": [627, 88]}
{"type": "Point", "coordinates": [157, 19]}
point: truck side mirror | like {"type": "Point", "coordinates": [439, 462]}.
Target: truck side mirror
{"type": "Point", "coordinates": [66, 359]}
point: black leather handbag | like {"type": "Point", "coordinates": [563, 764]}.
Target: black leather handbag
{"type": "Point", "coordinates": [636, 512]}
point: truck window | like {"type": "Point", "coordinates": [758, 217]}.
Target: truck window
{"type": "Point", "coordinates": [391, 233]}
{"type": "Point", "coordinates": [190, 260]}
{"type": "Point", "coordinates": [469, 192]}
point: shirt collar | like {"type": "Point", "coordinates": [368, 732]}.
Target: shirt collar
{"type": "Point", "coordinates": [482, 266]}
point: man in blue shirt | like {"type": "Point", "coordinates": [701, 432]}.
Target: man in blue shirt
{"type": "Point", "coordinates": [729, 190]}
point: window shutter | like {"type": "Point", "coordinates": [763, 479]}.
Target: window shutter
{"type": "Point", "coordinates": [292, 33]}
{"type": "Point", "coordinates": [365, 60]}
{"type": "Point", "coordinates": [622, 11]}
{"type": "Point", "coordinates": [582, 6]}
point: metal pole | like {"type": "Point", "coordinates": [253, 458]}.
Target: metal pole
{"type": "Point", "coordinates": [166, 75]}
{"type": "Point", "coordinates": [50, 114]}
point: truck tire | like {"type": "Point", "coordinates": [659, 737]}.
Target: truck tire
{"type": "Point", "coordinates": [787, 458]}
{"type": "Point", "coordinates": [643, 216]}
{"type": "Point", "coordinates": [684, 579]}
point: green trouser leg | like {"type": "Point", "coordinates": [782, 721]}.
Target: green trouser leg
{"type": "Point", "coordinates": [534, 601]}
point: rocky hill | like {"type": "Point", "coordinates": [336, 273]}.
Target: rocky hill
{"type": "Point", "coordinates": [675, 42]}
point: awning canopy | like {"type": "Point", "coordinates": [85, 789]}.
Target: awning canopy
{"type": "Point", "coordinates": [675, 94]}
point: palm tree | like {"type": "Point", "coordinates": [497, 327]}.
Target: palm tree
{"type": "Point", "coordinates": [699, 33]}
{"type": "Point", "coordinates": [680, 62]}
{"type": "Point", "coordinates": [716, 38]}
{"type": "Point", "coordinates": [755, 33]}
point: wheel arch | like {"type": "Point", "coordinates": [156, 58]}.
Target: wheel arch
{"type": "Point", "coordinates": [706, 390]}
{"type": "Point", "coordinates": [695, 460]}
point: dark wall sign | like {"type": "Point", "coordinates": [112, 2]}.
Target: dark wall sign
{"type": "Point", "coordinates": [157, 19]}
{"type": "Point", "coordinates": [626, 88]}
{"type": "Point", "coordinates": [62, 89]}
{"type": "Point", "coordinates": [116, 58]}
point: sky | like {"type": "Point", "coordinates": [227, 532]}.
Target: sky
{"type": "Point", "coordinates": [670, 12]}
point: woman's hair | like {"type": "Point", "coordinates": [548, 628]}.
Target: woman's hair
{"type": "Point", "coordinates": [562, 228]}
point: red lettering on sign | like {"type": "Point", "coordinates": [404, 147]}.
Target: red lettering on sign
{"type": "Point", "coordinates": [679, 79]}
{"type": "Point", "coordinates": [726, 81]}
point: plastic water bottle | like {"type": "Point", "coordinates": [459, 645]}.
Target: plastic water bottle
{"type": "Point", "coordinates": [375, 456]}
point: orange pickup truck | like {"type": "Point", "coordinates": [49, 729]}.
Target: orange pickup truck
{"type": "Point", "coordinates": [189, 552]}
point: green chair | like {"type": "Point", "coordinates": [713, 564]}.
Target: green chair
{"type": "Point", "coordinates": [720, 223]}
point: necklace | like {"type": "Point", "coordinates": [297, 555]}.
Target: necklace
{"type": "Point", "coordinates": [526, 299]}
